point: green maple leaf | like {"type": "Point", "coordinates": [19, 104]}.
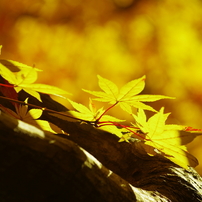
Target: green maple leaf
{"type": "Point", "coordinates": [127, 97]}
{"type": "Point", "coordinates": [165, 139]}
{"type": "Point", "coordinates": [22, 77]}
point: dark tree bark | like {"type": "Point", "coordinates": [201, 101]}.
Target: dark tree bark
{"type": "Point", "coordinates": [87, 165]}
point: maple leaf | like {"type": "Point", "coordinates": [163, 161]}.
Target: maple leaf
{"type": "Point", "coordinates": [31, 117]}
{"type": "Point", "coordinates": [91, 114]}
{"type": "Point", "coordinates": [96, 117]}
{"type": "Point", "coordinates": [165, 139]}
{"type": "Point", "coordinates": [112, 129]}
{"type": "Point", "coordinates": [85, 113]}
{"type": "Point", "coordinates": [22, 77]}
{"type": "Point", "coordinates": [127, 96]}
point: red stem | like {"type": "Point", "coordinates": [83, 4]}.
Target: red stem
{"type": "Point", "coordinates": [7, 85]}
{"type": "Point", "coordinates": [105, 123]}
{"type": "Point", "coordinates": [107, 111]}
{"type": "Point", "coordinates": [42, 108]}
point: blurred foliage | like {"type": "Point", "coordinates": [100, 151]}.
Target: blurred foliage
{"type": "Point", "coordinates": [73, 41]}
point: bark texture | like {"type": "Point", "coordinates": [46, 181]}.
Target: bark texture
{"type": "Point", "coordinates": [87, 165]}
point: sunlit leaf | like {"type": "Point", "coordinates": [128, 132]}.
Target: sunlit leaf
{"type": "Point", "coordinates": [149, 98]}
{"type": "Point", "coordinates": [173, 151]}
{"type": "Point", "coordinates": [32, 117]}
{"type": "Point", "coordinates": [141, 121]}
{"type": "Point", "coordinates": [31, 92]}
{"type": "Point", "coordinates": [84, 113]}
{"type": "Point", "coordinates": [156, 124]}
{"type": "Point", "coordinates": [127, 97]}
{"type": "Point", "coordinates": [112, 129]}
{"type": "Point", "coordinates": [92, 106]}
{"type": "Point", "coordinates": [22, 77]}
{"type": "Point", "coordinates": [17, 67]}
{"type": "Point", "coordinates": [108, 87]}
{"type": "Point", "coordinates": [80, 107]}
{"type": "Point", "coordinates": [140, 105]}
{"type": "Point", "coordinates": [7, 74]}
{"type": "Point", "coordinates": [174, 127]}
{"type": "Point", "coordinates": [43, 88]}
{"type": "Point", "coordinates": [110, 91]}
{"type": "Point", "coordinates": [26, 76]}
{"type": "Point", "coordinates": [111, 119]}
{"type": "Point", "coordinates": [102, 96]}
{"type": "Point", "coordinates": [125, 137]}
{"type": "Point", "coordinates": [165, 139]}
{"type": "Point", "coordinates": [82, 116]}
{"type": "Point", "coordinates": [47, 126]}
{"type": "Point", "coordinates": [131, 89]}
{"type": "Point", "coordinates": [126, 107]}
{"type": "Point", "coordinates": [35, 113]}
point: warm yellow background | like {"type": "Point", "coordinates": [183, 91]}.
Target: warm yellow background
{"type": "Point", "coordinates": [74, 40]}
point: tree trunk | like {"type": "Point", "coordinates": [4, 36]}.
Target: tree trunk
{"type": "Point", "coordinates": [86, 165]}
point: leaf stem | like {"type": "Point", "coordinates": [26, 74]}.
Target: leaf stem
{"type": "Point", "coordinates": [105, 123]}
{"type": "Point", "coordinates": [97, 120]}
{"type": "Point", "coordinates": [6, 85]}
{"type": "Point", "coordinates": [42, 108]}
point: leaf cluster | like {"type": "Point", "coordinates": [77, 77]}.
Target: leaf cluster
{"type": "Point", "coordinates": [153, 134]}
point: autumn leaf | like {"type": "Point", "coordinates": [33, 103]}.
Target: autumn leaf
{"type": "Point", "coordinates": [96, 117]}
{"type": "Point", "coordinates": [127, 96]}
{"type": "Point", "coordinates": [31, 117]}
{"type": "Point", "coordinates": [108, 118]}
{"type": "Point", "coordinates": [141, 121]}
{"type": "Point", "coordinates": [110, 91]}
{"type": "Point", "coordinates": [23, 77]}
{"type": "Point", "coordinates": [91, 114]}
{"type": "Point", "coordinates": [109, 88]}
{"type": "Point", "coordinates": [112, 129]}
{"type": "Point", "coordinates": [165, 139]}
{"type": "Point", "coordinates": [84, 113]}
{"type": "Point", "coordinates": [127, 106]}
{"type": "Point", "coordinates": [125, 137]}
{"type": "Point", "coordinates": [131, 89]}
{"type": "Point", "coordinates": [48, 126]}
{"type": "Point", "coordinates": [7, 74]}
{"type": "Point", "coordinates": [15, 66]}
{"type": "Point", "coordinates": [42, 88]}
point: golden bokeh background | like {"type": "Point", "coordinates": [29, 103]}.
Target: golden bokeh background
{"type": "Point", "coordinates": [72, 41]}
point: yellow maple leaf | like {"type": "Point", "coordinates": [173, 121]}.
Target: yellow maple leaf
{"type": "Point", "coordinates": [165, 139]}
{"type": "Point", "coordinates": [127, 97]}
{"type": "Point", "coordinates": [22, 77]}
{"type": "Point", "coordinates": [31, 117]}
